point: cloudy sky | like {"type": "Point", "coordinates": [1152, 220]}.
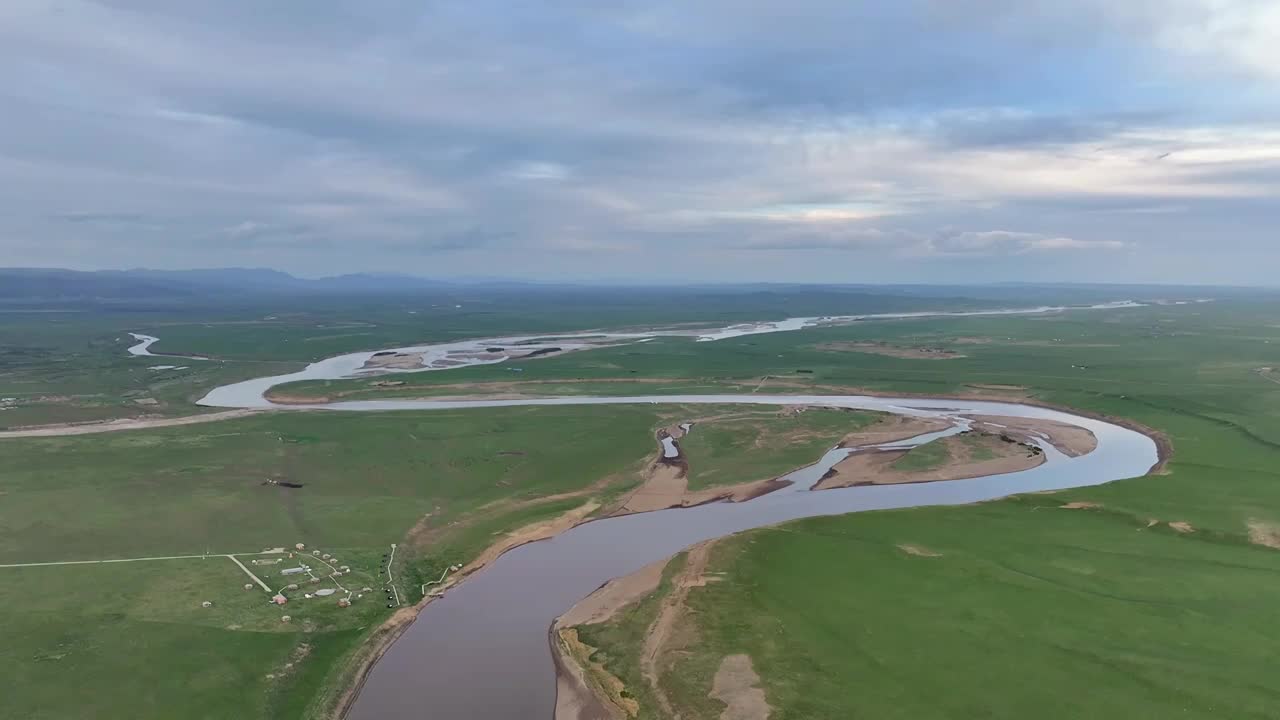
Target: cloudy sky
{"type": "Point", "coordinates": [672, 140]}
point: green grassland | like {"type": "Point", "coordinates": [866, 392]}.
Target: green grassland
{"type": "Point", "coordinates": [75, 367]}
{"type": "Point", "coordinates": [1046, 600]}
{"type": "Point", "coordinates": [1027, 609]}
{"type": "Point", "coordinates": [69, 363]}
{"type": "Point", "coordinates": [134, 634]}
{"type": "Point", "coordinates": [464, 478]}
{"type": "Point", "coordinates": [1097, 352]}
{"type": "Point", "coordinates": [925, 457]}
{"type": "Point", "coordinates": [367, 478]}
{"type": "Point", "coordinates": [977, 449]}
{"type": "Point", "coordinates": [761, 445]}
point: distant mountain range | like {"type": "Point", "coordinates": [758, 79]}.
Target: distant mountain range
{"type": "Point", "coordinates": [55, 284]}
{"type": "Point", "coordinates": [43, 286]}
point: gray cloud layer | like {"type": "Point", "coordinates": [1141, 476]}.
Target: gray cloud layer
{"type": "Point", "coordinates": [709, 140]}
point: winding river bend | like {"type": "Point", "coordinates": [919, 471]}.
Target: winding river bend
{"type": "Point", "coordinates": [482, 650]}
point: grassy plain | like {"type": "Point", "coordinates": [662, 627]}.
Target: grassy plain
{"type": "Point", "coordinates": [134, 634]}
{"type": "Point", "coordinates": [1061, 599]}
{"type": "Point", "coordinates": [132, 640]}
{"type": "Point", "coordinates": [461, 479]}
{"type": "Point", "coordinates": [68, 362]}
{"type": "Point", "coordinates": [1023, 611]}
{"type": "Point", "coordinates": [1018, 607]}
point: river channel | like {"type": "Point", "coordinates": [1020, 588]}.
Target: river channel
{"type": "Point", "coordinates": [483, 651]}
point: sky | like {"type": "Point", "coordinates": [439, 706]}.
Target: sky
{"type": "Point", "coordinates": [655, 141]}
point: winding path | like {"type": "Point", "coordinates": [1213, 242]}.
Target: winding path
{"type": "Point", "coordinates": [107, 426]}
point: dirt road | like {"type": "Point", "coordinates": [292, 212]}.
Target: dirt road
{"type": "Point", "coordinates": [122, 425]}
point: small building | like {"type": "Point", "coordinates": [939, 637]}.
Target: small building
{"type": "Point", "coordinates": [293, 571]}
{"type": "Point", "coordinates": [279, 599]}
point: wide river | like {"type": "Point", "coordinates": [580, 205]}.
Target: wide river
{"type": "Point", "coordinates": [482, 650]}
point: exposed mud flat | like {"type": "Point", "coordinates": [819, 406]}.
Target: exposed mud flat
{"type": "Point", "coordinates": [581, 684]}
{"type": "Point", "coordinates": [585, 690]}
{"type": "Point", "coordinates": [662, 638]}
{"type": "Point", "coordinates": [666, 482]}
{"type": "Point", "coordinates": [1070, 440]}
{"type": "Point", "coordinates": [737, 685]}
{"type": "Point", "coordinates": [877, 467]}
{"type": "Point", "coordinates": [289, 399]}
{"type": "Point", "coordinates": [1265, 534]}
{"type": "Point", "coordinates": [666, 486]}
{"type": "Point", "coordinates": [394, 361]}
{"type": "Point", "coordinates": [601, 605]}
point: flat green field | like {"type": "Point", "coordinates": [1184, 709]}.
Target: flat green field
{"type": "Point", "coordinates": [460, 479]}
{"type": "Point", "coordinates": [139, 644]}
{"type": "Point", "coordinates": [1004, 610]}
{"type": "Point", "coordinates": [135, 636]}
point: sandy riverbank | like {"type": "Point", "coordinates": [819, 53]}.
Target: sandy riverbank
{"type": "Point", "coordinates": [975, 454]}
{"type": "Point", "coordinates": [1070, 440]}
{"type": "Point", "coordinates": [581, 684]}
{"type": "Point", "coordinates": [585, 689]}
{"type": "Point", "coordinates": [394, 361]}
{"type": "Point", "coordinates": [382, 638]}
{"type": "Point", "coordinates": [666, 482]}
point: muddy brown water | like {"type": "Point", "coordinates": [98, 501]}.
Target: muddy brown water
{"type": "Point", "coordinates": [483, 651]}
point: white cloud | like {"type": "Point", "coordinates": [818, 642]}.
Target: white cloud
{"type": "Point", "coordinates": [1005, 242]}
{"type": "Point", "coordinates": [537, 171]}
{"type": "Point", "coordinates": [1244, 34]}
{"type": "Point", "coordinates": [1065, 243]}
